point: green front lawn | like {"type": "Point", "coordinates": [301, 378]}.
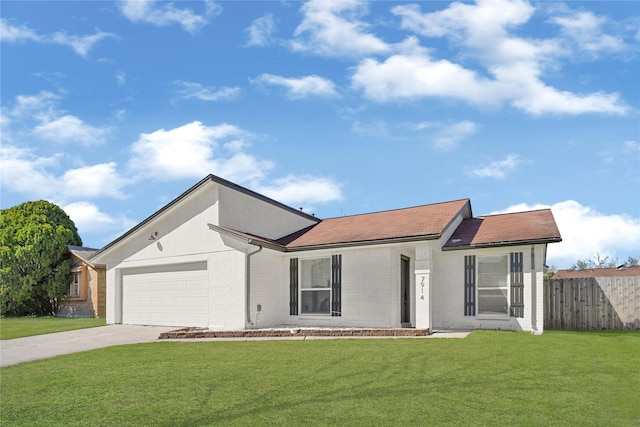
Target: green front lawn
{"type": "Point", "coordinates": [488, 379]}
{"type": "Point", "coordinates": [18, 327]}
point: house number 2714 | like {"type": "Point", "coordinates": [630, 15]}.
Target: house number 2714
{"type": "Point", "coordinates": [422, 288]}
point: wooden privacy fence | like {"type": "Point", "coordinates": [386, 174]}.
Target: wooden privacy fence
{"type": "Point", "coordinates": [592, 303]}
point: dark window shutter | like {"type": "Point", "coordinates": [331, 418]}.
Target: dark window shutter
{"type": "Point", "coordinates": [336, 285]}
{"type": "Point", "coordinates": [293, 287]}
{"type": "Point", "coordinates": [517, 284]}
{"type": "Point", "coordinates": [470, 285]}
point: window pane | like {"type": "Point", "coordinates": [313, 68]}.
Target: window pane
{"type": "Point", "coordinates": [492, 272]}
{"type": "Point", "coordinates": [75, 285]}
{"type": "Point", "coordinates": [315, 302]}
{"type": "Point", "coordinates": [492, 301]}
{"type": "Point", "coordinates": [316, 273]}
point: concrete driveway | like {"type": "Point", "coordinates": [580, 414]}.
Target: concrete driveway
{"type": "Point", "coordinates": [26, 349]}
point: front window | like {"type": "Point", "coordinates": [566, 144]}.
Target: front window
{"type": "Point", "coordinates": [315, 286]}
{"type": "Point", "coordinates": [493, 285]}
{"type": "Point", "coordinates": [74, 289]}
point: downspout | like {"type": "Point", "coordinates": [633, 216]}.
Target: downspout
{"type": "Point", "coordinates": [534, 293]}
{"type": "Point", "coordinates": [248, 283]}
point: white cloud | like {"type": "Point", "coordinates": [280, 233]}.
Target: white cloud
{"type": "Point", "coordinates": [587, 232]}
{"type": "Point", "coordinates": [443, 136]}
{"type": "Point", "coordinates": [332, 28]}
{"type": "Point", "coordinates": [24, 172]}
{"type": "Point", "coordinates": [196, 90]}
{"type": "Point", "coordinates": [68, 128]}
{"type": "Point", "coordinates": [193, 151]}
{"type": "Point", "coordinates": [261, 31]}
{"type": "Point", "coordinates": [88, 219]}
{"type": "Point", "coordinates": [242, 167]}
{"type": "Point", "coordinates": [537, 98]}
{"type": "Point", "coordinates": [498, 169]}
{"type": "Point", "coordinates": [161, 16]}
{"type": "Point", "coordinates": [415, 75]}
{"type": "Point", "coordinates": [448, 137]}
{"type": "Point", "coordinates": [483, 31]}
{"type": "Point", "coordinates": [585, 30]}
{"type": "Point", "coordinates": [101, 180]}
{"type": "Point", "coordinates": [121, 78]}
{"type": "Point", "coordinates": [35, 176]}
{"type": "Point", "coordinates": [16, 34]}
{"type": "Point", "coordinates": [41, 116]}
{"type": "Point", "coordinates": [305, 191]}
{"type": "Point", "coordinates": [378, 129]}
{"type": "Point", "coordinates": [81, 44]}
{"type": "Point", "coordinates": [119, 114]}
{"type": "Point", "coordinates": [43, 104]}
{"type": "Point", "coordinates": [632, 146]}
{"type": "Point", "coordinates": [301, 87]}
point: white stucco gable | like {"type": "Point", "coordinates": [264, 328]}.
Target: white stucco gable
{"type": "Point", "coordinates": [211, 201]}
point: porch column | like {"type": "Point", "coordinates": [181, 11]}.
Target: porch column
{"type": "Point", "coordinates": [423, 285]}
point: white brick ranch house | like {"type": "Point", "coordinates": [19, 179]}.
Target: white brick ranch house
{"type": "Point", "coordinates": [223, 257]}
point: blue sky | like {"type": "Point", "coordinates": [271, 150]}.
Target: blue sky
{"type": "Point", "coordinates": [112, 109]}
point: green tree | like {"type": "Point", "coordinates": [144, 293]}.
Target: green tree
{"type": "Point", "coordinates": [35, 265]}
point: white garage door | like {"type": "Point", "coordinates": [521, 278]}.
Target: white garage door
{"type": "Point", "coordinates": [173, 295]}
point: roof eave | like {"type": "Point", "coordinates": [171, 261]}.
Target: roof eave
{"type": "Point", "coordinates": [507, 243]}
{"type": "Point", "coordinates": [467, 204]}
{"type": "Point", "coordinates": [363, 243]}
{"type": "Point", "coordinates": [245, 239]}
{"type": "Point", "coordinates": [83, 259]}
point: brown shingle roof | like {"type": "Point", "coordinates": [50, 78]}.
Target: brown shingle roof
{"type": "Point", "coordinates": [512, 228]}
{"type": "Point", "coordinates": [598, 272]}
{"type": "Point", "coordinates": [427, 221]}
{"type": "Point", "coordinates": [419, 223]}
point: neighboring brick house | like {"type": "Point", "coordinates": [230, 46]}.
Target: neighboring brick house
{"type": "Point", "coordinates": [223, 257]}
{"type": "Point", "coordinates": [87, 290]}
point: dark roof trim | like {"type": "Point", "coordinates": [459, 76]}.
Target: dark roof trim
{"type": "Point", "coordinates": [228, 232]}
{"type": "Point", "coordinates": [250, 240]}
{"type": "Point", "coordinates": [459, 213]}
{"type": "Point", "coordinates": [509, 243]}
{"type": "Point", "coordinates": [208, 178]}
{"type": "Point", "coordinates": [467, 200]}
{"type": "Point", "coordinates": [364, 243]}
{"type": "Point", "coordinates": [253, 240]}
{"type": "Point", "coordinates": [259, 196]}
